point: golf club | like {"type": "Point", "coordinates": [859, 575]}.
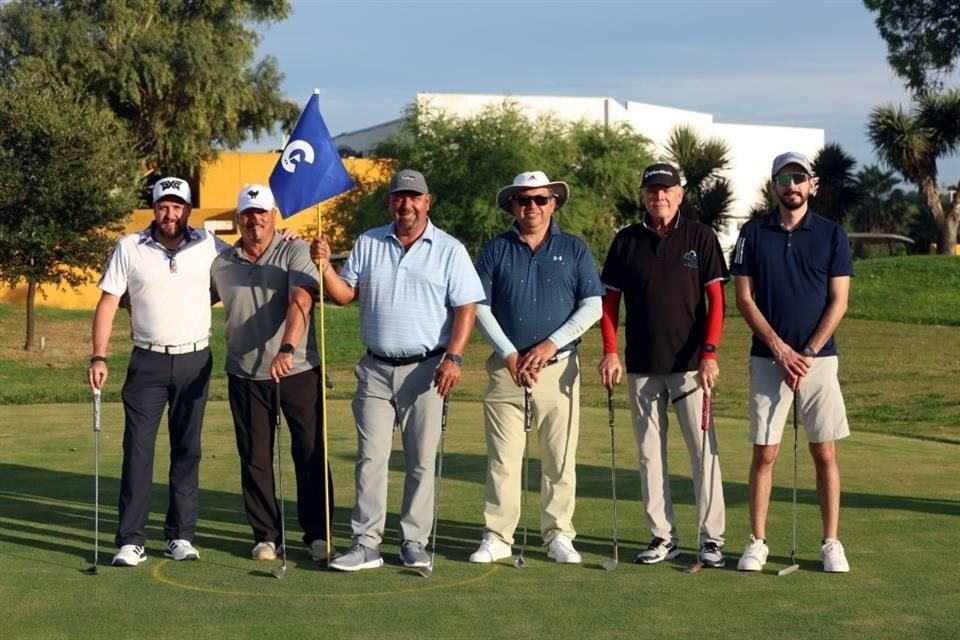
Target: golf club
{"type": "Point", "coordinates": [705, 421]}
{"type": "Point", "coordinates": [793, 550]}
{"type": "Point", "coordinates": [92, 569]}
{"type": "Point", "coordinates": [426, 572]}
{"type": "Point", "coordinates": [611, 563]}
{"type": "Point", "coordinates": [280, 571]}
{"type": "Point", "coordinates": [518, 561]}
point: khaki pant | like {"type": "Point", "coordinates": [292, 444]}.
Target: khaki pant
{"type": "Point", "coordinates": [556, 422]}
{"type": "Point", "coordinates": [648, 406]}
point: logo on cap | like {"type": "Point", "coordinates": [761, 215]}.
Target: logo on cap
{"type": "Point", "coordinates": [171, 184]}
{"type": "Point", "coordinates": [252, 193]}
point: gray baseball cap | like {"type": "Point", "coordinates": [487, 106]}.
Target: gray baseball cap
{"type": "Point", "coordinates": [791, 157]}
{"type": "Point", "coordinates": [408, 180]}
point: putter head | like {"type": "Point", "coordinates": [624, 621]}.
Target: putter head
{"type": "Point", "coordinates": [279, 572]}
{"type": "Point", "coordinates": [610, 564]}
{"type": "Point", "coordinates": [788, 570]}
{"type": "Point", "coordinates": [519, 562]}
{"type": "Point", "coordinates": [696, 566]}
{"type": "Point", "coordinates": [91, 570]}
{"type": "Point", "coordinates": [426, 572]}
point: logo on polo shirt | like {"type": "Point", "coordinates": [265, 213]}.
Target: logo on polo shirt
{"type": "Point", "coordinates": [558, 258]}
{"type": "Point", "coordinates": [690, 259]}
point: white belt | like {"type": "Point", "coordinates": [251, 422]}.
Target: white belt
{"type": "Point", "coordinates": [175, 349]}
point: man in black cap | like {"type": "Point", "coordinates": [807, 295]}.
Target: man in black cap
{"type": "Point", "coordinates": [670, 271]}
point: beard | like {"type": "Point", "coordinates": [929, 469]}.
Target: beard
{"type": "Point", "coordinates": [175, 234]}
{"type": "Point", "coordinates": [792, 201]}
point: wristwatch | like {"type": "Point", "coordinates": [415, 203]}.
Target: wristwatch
{"type": "Point", "coordinates": [708, 348]}
{"type": "Point", "coordinates": [454, 358]}
{"type": "Point", "coordinates": [286, 347]}
{"type": "Point", "coordinates": [809, 352]}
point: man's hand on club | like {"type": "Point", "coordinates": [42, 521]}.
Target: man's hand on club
{"type": "Point", "coordinates": [707, 374]}
{"type": "Point", "coordinates": [97, 375]}
{"type": "Point", "coordinates": [610, 370]}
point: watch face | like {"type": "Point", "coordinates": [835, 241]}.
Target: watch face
{"type": "Point", "coordinates": [709, 348]}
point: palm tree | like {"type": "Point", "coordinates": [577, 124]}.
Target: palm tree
{"type": "Point", "coordinates": [708, 195]}
{"type": "Point", "coordinates": [911, 143]}
{"type": "Point", "coordinates": [884, 207]}
{"type": "Point", "coordinates": [837, 192]}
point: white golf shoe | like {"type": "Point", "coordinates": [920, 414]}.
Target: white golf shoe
{"type": "Point", "coordinates": [491, 550]}
{"type": "Point", "coordinates": [181, 550]}
{"type": "Point", "coordinates": [754, 556]}
{"type": "Point", "coordinates": [561, 549]}
{"type": "Point", "coordinates": [264, 551]}
{"type": "Point", "coordinates": [130, 555]}
{"type": "Point", "coordinates": [833, 557]}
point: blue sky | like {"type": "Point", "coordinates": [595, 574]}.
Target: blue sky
{"type": "Point", "coordinates": [811, 63]}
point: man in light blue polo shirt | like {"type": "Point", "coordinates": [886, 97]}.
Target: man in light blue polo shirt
{"type": "Point", "coordinates": [417, 291]}
{"type": "Point", "coordinates": [542, 292]}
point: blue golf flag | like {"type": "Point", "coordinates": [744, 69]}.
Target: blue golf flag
{"type": "Point", "coordinates": [309, 170]}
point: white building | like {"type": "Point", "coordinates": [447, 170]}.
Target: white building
{"type": "Point", "coordinates": [752, 147]}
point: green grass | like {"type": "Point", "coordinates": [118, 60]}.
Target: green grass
{"type": "Point", "coordinates": [899, 518]}
{"type": "Point", "coordinates": [909, 289]}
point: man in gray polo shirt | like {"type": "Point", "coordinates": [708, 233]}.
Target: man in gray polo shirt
{"type": "Point", "coordinates": [417, 292]}
{"type": "Point", "coordinates": [268, 287]}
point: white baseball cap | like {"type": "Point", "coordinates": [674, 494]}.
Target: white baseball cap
{"type": "Point", "coordinates": [255, 196]}
{"type": "Point", "coordinates": [172, 188]}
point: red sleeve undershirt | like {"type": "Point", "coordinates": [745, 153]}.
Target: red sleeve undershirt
{"type": "Point", "coordinates": [609, 321]}
{"type": "Point", "coordinates": [716, 309]}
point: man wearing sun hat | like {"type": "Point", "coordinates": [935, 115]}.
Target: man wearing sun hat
{"type": "Point", "coordinates": [542, 293]}
{"type": "Point", "coordinates": [670, 272]}
{"type": "Point", "coordinates": [165, 269]}
{"type": "Point", "coordinates": [793, 270]}
{"type": "Point", "coordinates": [268, 286]}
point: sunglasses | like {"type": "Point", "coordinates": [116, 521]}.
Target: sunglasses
{"type": "Point", "coordinates": [525, 201]}
{"type": "Point", "coordinates": [784, 179]}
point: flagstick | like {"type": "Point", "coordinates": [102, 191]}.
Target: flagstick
{"type": "Point", "coordinates": [323, 396]}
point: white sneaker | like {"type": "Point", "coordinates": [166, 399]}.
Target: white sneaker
{"type": "Point", "coordinates": [264, 551]}
{"type": "Point", "coordinates": [130, 555]}
{"type": "Point", "coordinates": [754, 556]}
{"type": "Point", "coordinates": [561, 549]}
{"type": "Point", "coordinates": [833, 557]}
{"type": "Point", "coordinates": [181, 550]}
{"type": "Point", "coordinates": [491, 550]}
{"type": "Point", "coordinates": [318, 550]}
{"type": "Point", "coordinates": [657, 551]}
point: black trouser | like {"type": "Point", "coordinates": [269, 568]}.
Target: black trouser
{"type": "Point", "coordinates": [253, 403]}
{"type": "Point", "coordinates": [156, 381]}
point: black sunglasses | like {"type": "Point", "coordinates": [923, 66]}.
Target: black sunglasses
{"type": "Point", "coordinates": [524, 201]}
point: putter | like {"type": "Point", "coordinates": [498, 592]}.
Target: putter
{"type": "Point", "coordinates": [793, 551]}
{"type": "Point", "coordinates": [518, 561]}
{"type": "Point", "coordinates": [426, 572]}
{"type": "Point", "coordinates": [92, 569]}
{"type": "Point", "coordinates": [611, 563]}
{"type": "Point", "coordinates": [705, 424]}
{"type": "Point", "coordinates": [280, 571]}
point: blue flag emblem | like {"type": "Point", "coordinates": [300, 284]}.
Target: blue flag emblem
{"type": "Point", "coordinates": [310, 169]}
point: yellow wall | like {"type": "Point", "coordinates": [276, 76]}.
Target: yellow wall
{"type": "Point", "coordinates": [216, 196]}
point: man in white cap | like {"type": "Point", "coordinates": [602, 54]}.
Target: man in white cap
{"type": "Point", "coordinates": [793, 270]}
{"type": "Point", "coordinates": [417, 292]}
{"type": "Point", "coordinates": [165, 269]}
{"type": "Point", "coordinates": [542, 293]}
{"type": "Point", "coordinates": [268, 287]}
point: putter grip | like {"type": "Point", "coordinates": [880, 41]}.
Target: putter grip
{"type": "Point", "coordinates": [705, 419]}
{"type": "Point", "coordinates": [96, 410]}
{"type": "Point", "coordinates": [443, 413]}
{"type": "Point", "coordinates": [527, 409]}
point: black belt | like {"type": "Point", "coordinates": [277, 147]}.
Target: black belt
{"type": "Point", "coordinates": [405, 360]}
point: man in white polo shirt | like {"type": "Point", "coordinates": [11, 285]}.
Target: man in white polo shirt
{"type": "Point", "coordinates": [165, 269]}
{"type": "Point", "coordinates": [417, 291]}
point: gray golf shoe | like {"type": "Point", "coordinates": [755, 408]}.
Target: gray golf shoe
{"type": "Point", "coordinates": [357, 558]}
{"type": "Point", "coordinates": [413, 555]}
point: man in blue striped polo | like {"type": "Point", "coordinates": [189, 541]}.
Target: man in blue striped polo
{"type": "Point", "coordinates": [417, 291]}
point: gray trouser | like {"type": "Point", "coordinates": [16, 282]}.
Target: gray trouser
{"type": "Point", "coordinates": [388, 395]}
{"type": "Point", "coordinates": [648, 403]}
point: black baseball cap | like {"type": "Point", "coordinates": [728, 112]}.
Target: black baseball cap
{"type": "Point", "coordinates": [662, 174]}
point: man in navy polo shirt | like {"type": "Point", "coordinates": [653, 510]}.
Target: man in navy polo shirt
{"type": "Point", "coordinates": [670, 271]}
{"type": "Point", "coordinates": [793, 272]}
{"type": "Point", "coordinates": [542, 293]}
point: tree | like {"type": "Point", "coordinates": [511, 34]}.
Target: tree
{"type": "Point", "coordinates": [178, 74]}
{"type": "Point", "coordinates": [837, 189]}
{"type": "Point", "coordinates": [67, 177]}
{"type": "Point", "coordinates": [708, 196]}
{"type": "Point", "coordinates": [923, 39]}
{"type": "Point", "coordinates": [466, 160]}
{"type": "Point", "coordinates": [883, 208]}
{"type": "Point", "coordinates": [911, 143]}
